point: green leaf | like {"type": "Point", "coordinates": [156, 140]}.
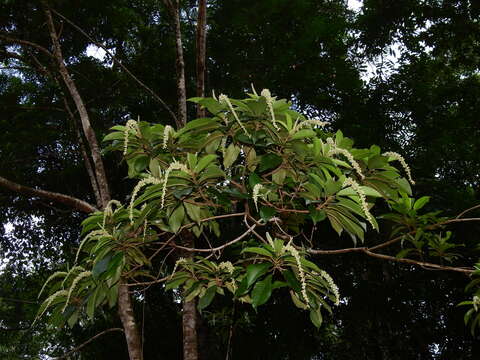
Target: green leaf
{"type": "Point", "coordinates": [262, 291]}
{"type": "Point", "coordinates": [266, 213]}
{"type": "Point", "coordinates": [269, 161]}
{"type": "Point", "coordinates": [278, 177]}
{"type": "Point", "coordinates": [207, 298]}
{"type": "Point", "coordinates": [231, 155]}
{"type": "Point", "coordinates": [404, 185]}
{"type": "Point", "coordinates": [254, 271]}
{"type": "Point", "coordinates": [316, 317]}
{"type": "Point", "coordinates": [193, 211]}
{"type": "Point", "coordinates": [114, 136]}
{"type": "Point", "coordinates": [213, 171]}
{"type": "Point", "coordinates": [302, 134]}
{"type": "Point", "coordinates": [420, 203]}
{"type": "Point", "coordinates": [254, 179]}
{"type": "Point", "coordinates": [258, 251]}
{"type": "Point", "coordinates": [177, 281]}
{"type": "Point", "coordinates": [292, 280]}
{"type": "Point", "coordinates": [367, 190]}
{"type": "Point", "coordinates": [101, 266]}
{"type": "Point", "coordinates": [176, 219]}
{"type": "Point", "coordinates": [317, 215]}
{"type": "Point", "coordinates": [204, 162]}
{"type": "Point", "coordinates": [140, 163]}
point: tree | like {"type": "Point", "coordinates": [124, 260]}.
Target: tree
{"type": "Point", "coordinates": [140, 36]}
{"type": "Point", "coordinates": [252, 161]}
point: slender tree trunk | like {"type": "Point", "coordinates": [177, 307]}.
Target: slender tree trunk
{"type": "Point", "coordinates": [189, 314]}
{"type": "Point", "coordinates": [189, 322]}
{"type": "Point", "coordinates": [201, 52]}
{"type": "Point", "coordinates": [174, 8]}
{"type": "Point", "coordinates": [82, 111]}
{"type": "Point", "coordinates": [125, 311]}
{"type": "Point", "coordinates": [125, 308]}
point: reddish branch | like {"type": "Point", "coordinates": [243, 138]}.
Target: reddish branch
{"type": "Point", "coordinates": [70, 201]}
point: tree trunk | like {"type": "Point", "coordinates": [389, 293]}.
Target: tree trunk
{"type": "Point", "coordinates": [125, 308]}
{"type": "Point", "coordinates": [189, 319]}
{"type": "Point", "coordinates": [189, 314]}
{"type": "Point", "coordinates": [125, 311]}
{"type": "Point", "coordinates": [82, 111]}
{"type": "Point", "coordinates": [201, 51]}
{"type": "Point", "coordinates": [174, 7]}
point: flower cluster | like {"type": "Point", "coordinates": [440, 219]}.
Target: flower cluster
{"type": "Point", "coordinates": [74, 285]}
{"type": "Point", "coordinates": [166, 134]}
{"type": "Point", "coordinates": [303, 280]}
{"type": "Point", "coordinates": [146, 181]}
{"type": "Point", "coordinates": [270, 100]}
{"type": "Point", "coordinates": [476, 302]}
{"type": "Point", "coordinates": [256, 193]}
{"type": "Point", "coordinates": [402, 161]}
{"type": "Point", "coordinates": [311, 122]}
{"type": "Point", "coordinates": [131, 125]}
{"type": "Point", "coordinates": [227, 266]}
{"type": "Point", "coordinates": [173, 166]}
{"type": "Point", "coordinates": [108, 209]}
{"type": "Point", "coordinates": [363, 199]}
{"type": "Point", "coordinates": [332, 286]}
{"type": "Point", "coordinates": [223, 99]}
{"type": "Point", "coordinates": [349, 156]}
{"type": "Point", "coordinates": [178, 262]}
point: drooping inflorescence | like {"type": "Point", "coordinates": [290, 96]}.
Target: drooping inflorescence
{"type": "Point", "coordinates": [146, 181]}
{"type": "Point", "coordinates": [166, 134]}
{"type": "Point", "coordinates": [363, 198]}
{"type": "Point", "coordinates": [289, 247]}
{"type": "Point", "coordinates": [131, 125]}
{"type": "Point", "coordinates": [223, 99]}
{"type": "Point", "coordinates": [402, 161]}
{"type": "Point", "coordinates": [332, 286]}
{"type": "Point", "coordinates": [270, 100]}
{"type": "Point", "coordinates": [74, 285]}
{"type": "Point", "coordinates": [337, 150]}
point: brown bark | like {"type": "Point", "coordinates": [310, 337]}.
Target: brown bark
{"type": "Point", "coordinates": [189, 314]}
{"type": "Point", "coordinates": [189, 322]}
{"type": "Point", "coordinates": [82, 111]}
{"type": "Point", "coordinates": [71, 201]}
{"type": "Point", "coordinates": [125, 308]}
{"type": "Point", "coordinates": [125, 311]}
{"type": "Point", "coordinates": [201, 52]}
{"type": "Point", "coordinates": [173, 7]}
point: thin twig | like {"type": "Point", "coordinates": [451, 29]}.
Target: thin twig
{"type": "Point", "coordinates": [65, 356]}
{"type": "Point", "coordinates": [137, 80]}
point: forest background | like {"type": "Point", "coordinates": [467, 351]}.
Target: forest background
{"type": "Point", "coordinates": [400, 74]}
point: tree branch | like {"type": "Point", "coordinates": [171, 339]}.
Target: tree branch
{"type": "Point", "coordinates": [137, 80]}
{"type": "Point", "coordinates": [70, 201]}
{"type": "Point", "coordinates": [65, 356]}
{"type": "Point", "coordinates": [27, 43]}
{"type": "Point", "coordinates": [368, 252]}
{"type": "Point", "coordinates": [82, 110]}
